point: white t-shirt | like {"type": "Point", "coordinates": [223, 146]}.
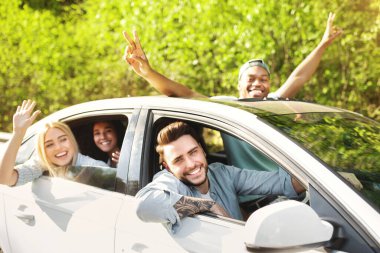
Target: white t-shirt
{"type": "Point", "coordinates": [206, 196]}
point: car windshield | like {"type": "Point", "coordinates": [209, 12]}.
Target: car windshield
{"type": "Point", "coordinates": [347, 142]}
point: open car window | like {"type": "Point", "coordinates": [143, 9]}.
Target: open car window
{"type": "Point", "coordinates": [225, 148]}
{"type": "Point", "coordinates": [101, 177]}
{"type": "Point", "coordinates": [83, 132]}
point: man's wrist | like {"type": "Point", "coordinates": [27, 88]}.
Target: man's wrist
{"type": "Point", "coordinates": [207, 205]}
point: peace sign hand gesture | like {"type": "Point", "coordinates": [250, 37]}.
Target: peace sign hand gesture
{"type": "Point", "coordinates": [135, 55]}
{"type": "Point", "coordinates": [331, 32]}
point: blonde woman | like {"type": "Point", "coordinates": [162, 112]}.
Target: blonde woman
{"type": "Point", "coordinates": [57, 150]}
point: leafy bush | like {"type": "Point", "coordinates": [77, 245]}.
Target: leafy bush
{"type": "Point", "coordinates": [64, 52]}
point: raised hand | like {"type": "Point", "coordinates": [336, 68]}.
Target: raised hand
{"type": "Point", "coordinates": [135, 55]}
{"type": "Point", "coordinates": [331, 31]}
{"type": "Point", "coordinates": [22, 119]}
{"type": "Point", "coordinates": [24, 116]}
{"type": "Point", "coordinates": [137, 59]}
{"type": "Point", "coordinates": [116, 156]}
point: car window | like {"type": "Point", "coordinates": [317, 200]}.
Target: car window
{"type": "Point", "coordinates": [213, 140]}
{"type": "Point", "coordinates": [348, 143]}
{"type": "Point", "coordinates": [26, 150]}
{"type": "Point", "coordinates": [83, 132]}
{"type": "Point", "coordinates": [101, 177]}
{"type": "Point", "coordinates": [230, 150]}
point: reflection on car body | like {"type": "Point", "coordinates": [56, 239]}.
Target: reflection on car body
{"type": "Point", "coordinates": [94, 210]}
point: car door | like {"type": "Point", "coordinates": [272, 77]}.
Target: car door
{"type": "Point", "coordinates": [57, 215]}
{"type": "Point", "coordinates": [131, 234]}
{"type": "Point", "coordinates": [200, 233]}
{"type": "Point", "coordinates": [203, 233]}
{"type": "Point", "coordinates": [4, 245]}
{"type": "Point", "coordinates": [60, 215]}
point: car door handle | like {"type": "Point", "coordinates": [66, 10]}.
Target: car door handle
{"type": "Point", "coordinates": [24, 216]}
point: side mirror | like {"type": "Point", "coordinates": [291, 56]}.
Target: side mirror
{"type": "Point", "coordinates": [286, 224]}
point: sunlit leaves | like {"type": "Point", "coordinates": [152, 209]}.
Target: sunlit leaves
{"type": "Point", "coordinates": [69, 51]}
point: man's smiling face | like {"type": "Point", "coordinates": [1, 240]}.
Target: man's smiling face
{"type": "Point", "coordinates": [186, 159]}
{"type": "Point", "coordinates": [254, 83]}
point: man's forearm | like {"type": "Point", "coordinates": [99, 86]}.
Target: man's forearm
{"type": "Point", "coordinates": [188, 206]}
{"type": "Point", "coordinates": [169, 87]}
{"type": "Point", "coordinates": [298, 187]}
{"type": "Point", "coordinates": [309, 65]}
{"type": "Point", "coordinates": [302, 73]}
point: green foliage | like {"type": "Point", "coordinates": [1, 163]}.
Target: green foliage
{"type": "Point", "coordinates": [62, 52]}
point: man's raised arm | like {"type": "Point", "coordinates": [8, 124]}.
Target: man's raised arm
{"type": "Point", "coordinates": [309, 65]}
{"type": "Point", "coordinates": [136, 58]}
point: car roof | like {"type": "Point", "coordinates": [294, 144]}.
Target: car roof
{"type": "Point", "coordinates": [258, 107]}
{"type": "Point", "coordinates": [263, 106]}
{"type": "Point", "coordinates": [287, 106]}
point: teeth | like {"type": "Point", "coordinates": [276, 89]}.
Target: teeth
{"type": "Point", "coordinates": [255, 92]}
{"type": "Point", "coordinates": [105, 142]}
{"type": "Point", "coordinates": [61, 154]}
{"type": "Point", "coordinates": [195, 171]}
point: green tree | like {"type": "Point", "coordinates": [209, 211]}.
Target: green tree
{"type": "Point", "coordinates": [64, 52]}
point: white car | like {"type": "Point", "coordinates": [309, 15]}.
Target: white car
{"type": "Point", "coordinates": [334, 153]}
{"type": "Point", "coordinates": [4, 137]}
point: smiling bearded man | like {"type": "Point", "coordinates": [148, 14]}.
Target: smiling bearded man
{"type": "Point", "coordinates": [189, 185]}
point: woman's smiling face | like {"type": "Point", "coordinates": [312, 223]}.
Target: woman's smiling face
{"type": "Point", "coordinates": [58, 147]}
{"type": "Point", "coordinates": [105, 137]}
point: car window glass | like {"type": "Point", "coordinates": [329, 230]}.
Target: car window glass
{"type": "Point", "coordinates": [26, 150]}
{"type": "Point", "coordinates": [101, 177]}
{"type": "Point", "coordinates": [348, 143]}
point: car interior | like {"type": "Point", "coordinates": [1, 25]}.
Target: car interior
{"type": "Point", "coordinates": [96, 176]}
{"type": "Point", "coordinates": [82, 130]}
{"type": "Point", "coordinates": [212, 141]}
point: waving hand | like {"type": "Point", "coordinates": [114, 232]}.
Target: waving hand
{"type": "Point", "coordinates": [24, 116]}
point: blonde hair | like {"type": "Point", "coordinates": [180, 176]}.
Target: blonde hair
{"type": "Point", "coordinates": [48, 165]}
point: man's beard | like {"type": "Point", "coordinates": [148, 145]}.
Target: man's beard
{"type": "Point", "coordinates": [188, 183]}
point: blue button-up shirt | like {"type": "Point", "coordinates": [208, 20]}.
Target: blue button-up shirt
{"type": "Point", "coordinates": [226, 184]}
